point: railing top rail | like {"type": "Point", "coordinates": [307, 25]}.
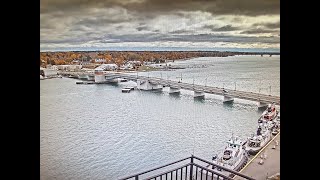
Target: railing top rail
{"type": "Point", "coordinates": [138, 174]}
{"type": "Point", "coordinates": [191, 163]}
{"type": "Point", "coordinates": [213, 172]}
{"type": "Point", "coordinates": [186, 165]}
{"type": "Point", "coordinates": [229, 170]}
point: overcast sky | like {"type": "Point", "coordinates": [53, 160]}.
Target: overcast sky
{"type": "Point", "coordinates": [159, 25]}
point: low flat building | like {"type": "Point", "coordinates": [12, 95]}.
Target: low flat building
{"type": "Point", "coordinates": [44, 72]}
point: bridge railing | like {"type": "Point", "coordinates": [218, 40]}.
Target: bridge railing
{"type": "Point", "coordinates": [195, 169]}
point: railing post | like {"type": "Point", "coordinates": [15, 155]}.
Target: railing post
{"type": "Point", "coordinates": [191, 167]}
{"type": "Point", "coordinates": [136, 177]}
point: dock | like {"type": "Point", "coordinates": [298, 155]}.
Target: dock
{"type": "Point", "coordinates": [265, 163]}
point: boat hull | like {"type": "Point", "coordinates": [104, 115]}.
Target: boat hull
{"type": "Point", "coordinates": [275, 133]}
{"type": "Point", "coordinates": [254, 151]}
{"type": "Point", "coordinates": [238, 168]}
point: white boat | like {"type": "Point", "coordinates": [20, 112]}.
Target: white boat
{"type": "Point", "coordinates": [269, 114]}
{"type": "Point", "coordinates": [276, 127]}
{"type": "Point", "coordinates": [278, 117]}
{"type": "Point", "coordinates": [257, 141]}
{"type": "Point", "coordinates": [233, 157]}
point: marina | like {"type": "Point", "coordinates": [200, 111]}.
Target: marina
{"type": "Point", "coordinates": [266, 163]}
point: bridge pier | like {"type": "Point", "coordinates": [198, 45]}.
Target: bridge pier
{"type": "Point", "coordinates": [83, 76]}
{"type": "Point", "coordinates": [99, 78]}
{"type": "Point", "coordinates": [228, 99]}
{"type": "Point", "coordinates": [262, 104]}
{"type": "Point", "coordinates": [174, 90]}
{"type": "Point", "coordinates": [90, 77]}
{"type": "Point", "coordinates": [147, 86]}
{"type": "Point", "coordinates": [198, 94]}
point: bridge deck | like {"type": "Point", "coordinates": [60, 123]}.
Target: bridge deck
{"type": "Point", "coordinates": [207, 89]}
{"type": "Point", "coordinates": [193, 87]}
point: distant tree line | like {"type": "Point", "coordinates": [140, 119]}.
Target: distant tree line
{"type": "Point", "coordinates": [121, 57]}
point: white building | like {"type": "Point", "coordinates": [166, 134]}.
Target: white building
{"type": "Point", "coordinates": [48, 72]}
{"type": "Point", "coordinates": [100, 60]}
{"type": "Point", "coordinates": [53, 67]}
{"type": "Point", "coordinates": [108, 67]}
{"type": "Point", "coordinates": [127, 66]}
{"type": "Point", "coordinates": [69, 67]}
{"type": "Point", "coordinates": [136, 63]}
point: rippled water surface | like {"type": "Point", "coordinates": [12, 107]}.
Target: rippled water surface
{"type": "Point", "coordinates": [98, 132]}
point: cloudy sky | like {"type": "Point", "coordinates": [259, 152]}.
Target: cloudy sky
{"type": "Point", "coordinates": [252, 25]}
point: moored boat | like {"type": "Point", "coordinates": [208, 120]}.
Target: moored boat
{"type": "Point", "coordinates": [257, 141]}
{"type": "Point", "coordinates": [269, 114]}
{"type": "Point", "coordinates": [233, 157]}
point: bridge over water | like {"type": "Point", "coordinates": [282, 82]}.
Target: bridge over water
{"type": "Point", "coordinates": [152, 83]}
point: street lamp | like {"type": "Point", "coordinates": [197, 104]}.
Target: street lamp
{"type": "Point", "coordinates": [193, 82]}
{"type": "Point", "coordinates": [235, 86]}
{"type": "Point", "coordinates": [206, 83]}
{"type": "Point", "coordinates": [270, 90]}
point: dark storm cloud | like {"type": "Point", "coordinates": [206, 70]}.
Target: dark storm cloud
{"type": "Point", "coordinates": [182, 31]}
{"type": "Point", "coordinates": [86, 22]}
{"type": "Point", "coordinates": [223, 28]}
{"type": "Point", "coordinates": [268, 25]}
{"type": "Point", "coordinates": [244, 7]}
{"type": "Point", "coordinates": [141, 28]}
{"type": "Point", "coordinates": [151, 37]}
{"type": "Point", "coordinates": [258, 31]}
{"type": "Point", "coordinates": [100, 21]}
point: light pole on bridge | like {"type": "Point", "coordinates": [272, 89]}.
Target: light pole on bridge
{"type": "Point", "coordinates": [193, 82]}
{"type": "Point", "coordinates": [206, 83]}
{"type": "Point", "coordinates": [270, 90]}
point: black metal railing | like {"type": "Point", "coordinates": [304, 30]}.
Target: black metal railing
{"type": "Point", "coordinates": [195, 169]}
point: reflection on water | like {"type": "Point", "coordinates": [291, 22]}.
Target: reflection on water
{"type": "Point", "coordinates": [228, 104]}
